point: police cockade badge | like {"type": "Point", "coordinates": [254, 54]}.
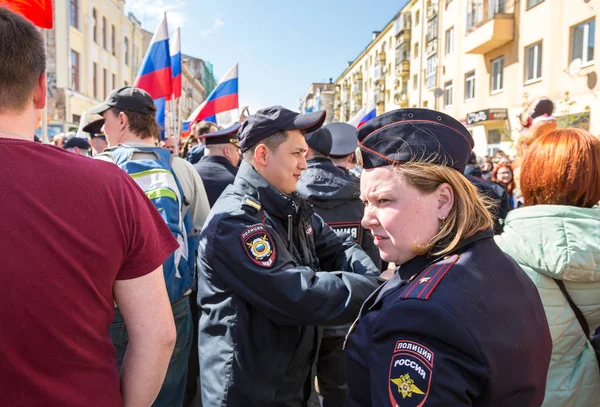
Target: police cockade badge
{"type": "Point", "coordinates": [259, 246]}
{"type": "Point", "coordinates": [411, 369]}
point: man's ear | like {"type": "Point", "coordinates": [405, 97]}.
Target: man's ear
{"type": "Point", "coordinates": [39, 94]}
{"type": "Point", "coordinates": [261, 155]}
{"type": "Point", "coordinates": [123, 121]}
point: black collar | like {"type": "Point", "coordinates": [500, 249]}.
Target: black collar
{"type": "Point", "coordinates": [419, 263]}
{"type": "Point", "coordinates": [274, 201]}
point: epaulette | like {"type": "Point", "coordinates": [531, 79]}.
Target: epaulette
{"type": "Point", "coordinates": [425, 282]}
{"type": "Point", "coordinates": [251, 204]}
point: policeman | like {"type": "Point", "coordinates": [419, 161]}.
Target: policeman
{"type": "Point", "coordinates": [261, 286]}
{"type": "Point", "coordinates": [334, 193]}
{"type": "Point", "coordinates": [98, 141]}
{"type": "Point", "coordinates": [219, 165]}
{"type": "Point", "coordinates": [459, 323]}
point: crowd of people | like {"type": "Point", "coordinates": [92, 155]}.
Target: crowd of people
{"type": "Point", "coordinates": [284, 262]}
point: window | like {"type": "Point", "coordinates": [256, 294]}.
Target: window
{"type": "Point", "coordinates": [114, 82]}
{"type": "Point", "coordinates": [531, 3]}
{"type": "Point", "coordinates": [126, 42]}
{"type": "Point", "coordinates": [470, 86]}
{"type": "Point", "coordinates": [449, 40]}
{"type": "Point", "coordinates": [417, 17]}
{"type": "Point", "coordinates": [415, 82]}
{"type": "Point", "coordinates": [416, 50]}
{"type": "Point", "coordinates": [448, 94]}
{"type": "Point", "coordinates": [475, 11]}
{"type": "Point", "coordinates": [113, 40]}
{"type": "Point", "coordinates": [533, 62]}
{"type": "Point", "coordinates": [95, 81]}
{"type": "Point", "coordinates": [74, 13]}
{"type": "Point", "coordinates": [95, 33]}
{"type": "Point", "coordinates": [432, 29]}
{"type": "Point", "coordinates": [104, 24]}
{"type": "Point", "coordinates": [105, 81]}
{"type": "Point", "coordinates": [75, 70]}
{"type": "Point", "coordinates": [582, 41]}
{"type": "Point", "coordinates": [497, 74]}
{"type": "Point", "coordinates": [431, 65]}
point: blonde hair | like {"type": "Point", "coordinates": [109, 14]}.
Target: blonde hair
{"type": "Point", "coordinates": [470, 213]}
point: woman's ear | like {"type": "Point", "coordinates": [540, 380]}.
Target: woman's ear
{"type": "Point", "coordinates": [445, 197]}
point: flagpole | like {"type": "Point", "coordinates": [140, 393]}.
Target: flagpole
{"type": "Point", "coordinates": [45, 139]}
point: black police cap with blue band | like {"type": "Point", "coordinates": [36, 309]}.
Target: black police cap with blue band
{"type": "Point", "coordinates": [228, 135]}
{"type": "Point", "coordinates": [407, 135]}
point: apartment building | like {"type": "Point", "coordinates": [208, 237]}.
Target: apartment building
{"type": "Point", "coordinates": [319, 96]}
{"type": "Point", "coordinates": [496, 56]}
{"type": "Point", "coordinates": [372, 75]}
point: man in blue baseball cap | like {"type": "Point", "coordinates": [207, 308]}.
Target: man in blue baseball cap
{"type": "Point", "coordinates": [262, 289]}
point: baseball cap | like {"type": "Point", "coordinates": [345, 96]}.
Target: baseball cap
{"type": "Point", "coordinates": [268, 121]}
{"type": "Point", "coordinates": [127, 98]}
{"type": "Point", "coordinates": [80, 142]}
{"type": "Point", "coordinates": [320, 140]}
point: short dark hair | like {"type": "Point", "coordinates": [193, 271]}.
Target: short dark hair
{"type": "Point", "coordinates": [273, 142]}
{"type": "Point", "coordinates": [22, 60]}
{"type": "Point", "coordinates": [143, 125]}
{"type": "Point", "coordinates": [204, 127]}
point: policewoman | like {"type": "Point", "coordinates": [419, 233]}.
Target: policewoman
{"type": "Point", "coordinates": [459, 323]}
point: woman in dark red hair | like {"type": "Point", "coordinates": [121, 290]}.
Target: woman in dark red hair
{"type": "Point", "coordinates": [503, 175]}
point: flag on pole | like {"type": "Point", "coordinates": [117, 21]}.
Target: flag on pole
{"type": "Point", "coordinates": [221, 106]}
{"type": "Point", "coordinates": [39, 12]}
{"type": "Point", "coordinates": [175, 48]}
{"type": "Point", "coordinates": [364, 115]}
{"type": "Point", "coordinates": [155, 75]}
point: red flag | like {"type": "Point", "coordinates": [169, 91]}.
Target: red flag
{"type": "Point", "coordinates": [39, 12]}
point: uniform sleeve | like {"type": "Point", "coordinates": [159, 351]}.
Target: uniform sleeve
{"type": "Point", "coordinates": [422, 352]}
{"type": "Point", "coordinates": [193, 190]}
{"type": "Point", "coordinates": [252, 259]}
{"type": "Point", "coordinates": [148, 239]}
{"type": "Point", "coordinates": [337, 253]}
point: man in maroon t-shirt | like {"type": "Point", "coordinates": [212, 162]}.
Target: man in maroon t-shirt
{"type": "Point", "coordinates": [77, 234]}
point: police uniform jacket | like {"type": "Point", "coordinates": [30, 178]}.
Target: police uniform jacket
{"type": "Point", "coordinates": [468, 329]}
{"type": "Point", "coordinates": [335, 195]}
{"type": "Point", "coordinates": [493, 191]}
{"type": "Point", "coordinates": [216, 173]}
{"type": "Point", "coordinates": [261, 293]}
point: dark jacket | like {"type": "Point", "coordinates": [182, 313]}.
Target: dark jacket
{"type": "Point", "coordinates": [493, 191]}
{"type": "Point", "coordinates": [216, 173]}
{"type": "Point", "coordinates": [335, 195]}
{"type": "Point", "coordinates": [468, 329]}
{"type": "Point", "coordinates": [261, 294]}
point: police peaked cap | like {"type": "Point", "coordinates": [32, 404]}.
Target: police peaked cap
{"type": "Point", "coordinates": [407, 135]}
{"type": "Point", "coordinates": [228, 135]}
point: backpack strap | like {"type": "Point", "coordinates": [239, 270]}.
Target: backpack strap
{"type": "Point", "coordinates": [575, 308]}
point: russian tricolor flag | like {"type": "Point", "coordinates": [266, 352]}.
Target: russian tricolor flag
{"type": "Point", "coordinates": [364, 115]}
{"type": "Point", "coordinates": [175, 47]}
{"type": "Point", "coordinates": [221, 106]}
{"type": "Point", "coordinates": [155, 75]}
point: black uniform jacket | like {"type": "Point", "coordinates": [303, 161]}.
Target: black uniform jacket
{"type": "Point", "coordinates": [335, 194]}
{"type": "Point", "coordinates": [493, 191]}
{"type": "Point", "coordinates": [216, 173]}
{"type": "Point", "coordinates": [261, 294]}
{"type": "Point", "coordinates": [468, 329]}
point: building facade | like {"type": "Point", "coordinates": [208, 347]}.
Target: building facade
{"type": "Point", "coordinates": [93, 48]}
{"type": "Point", "coordinates": [373, 76]}
{"type": "Point", "coordinates": [319, 96]}
{"type": "Point", "coordinates": [483, 62]}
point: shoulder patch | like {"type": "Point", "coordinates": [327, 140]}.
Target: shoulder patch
{"type": "Point", "coordinates": [411, 371]}
{"type": "Point", "coordinates": [425, 282]}
{"type": "Point", "coordinates": [259, 246]}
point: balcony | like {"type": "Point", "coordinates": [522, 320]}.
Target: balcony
{"type": "Point", "coordinates": [402, 24]}
{"type": "Point", "coordinates": [357, 89]}
{"type": "Point", "coordinates": [431, 81]}
{"type": "Point", "coordinates": [404, 38]}
{"type": "Point", "coordinates": [401, 98]}
{"type": "Point", "coordinates": [490, 24]}
{"type": "Point", "coordinates": [432, 10]}
{"type": "Point", "coordinates": [379, 96]}
{"type": "Point", "coordinates": [378, 73]}
{"type": "Point", "coordinates": [432, 48]}
{"type": "Point", "coordinates": [403, 68]}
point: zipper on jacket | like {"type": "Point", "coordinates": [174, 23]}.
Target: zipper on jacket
{"type": "Point", "coordinates": [289, 233]}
